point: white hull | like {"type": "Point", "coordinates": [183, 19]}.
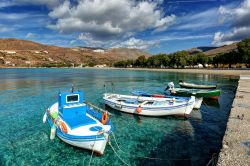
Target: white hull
{"type": "Point", "coordinates": [181, 108]}
{"type": "Point", "coordinates": [96, 146]}
{"type": "Point", "coordinates": [198, 102]}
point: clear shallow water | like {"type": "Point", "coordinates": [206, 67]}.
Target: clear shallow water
{"type": "Point", "coordinates": [25, 93]}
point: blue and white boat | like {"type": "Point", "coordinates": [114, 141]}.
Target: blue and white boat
{"type": "Point", "coordinates": [149, 106]}
{"type": "Point", "coordinates": [78, 124]}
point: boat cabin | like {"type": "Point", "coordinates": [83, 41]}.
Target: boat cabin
{"type": "Point", "coordinates": [72, 109]}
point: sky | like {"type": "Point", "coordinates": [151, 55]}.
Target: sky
{"type": "Point", "coordinates": [157, 26]}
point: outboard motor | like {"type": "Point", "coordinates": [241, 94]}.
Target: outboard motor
{"type": "Point", "coordinates": [170, 85]}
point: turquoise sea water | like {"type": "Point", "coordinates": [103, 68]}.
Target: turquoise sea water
{"type": "Point", "coordinates": [25, 94]}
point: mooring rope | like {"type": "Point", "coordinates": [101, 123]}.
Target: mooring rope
{"type": "Point", "coordinates": [212, 160]}
{"type": "Point", "coordinates": [117, 154]}
{"type": "Point", "coordinates": [92, 152]}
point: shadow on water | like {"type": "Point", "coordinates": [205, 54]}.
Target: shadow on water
{"type": "Point", "coordinates": [202, 136]}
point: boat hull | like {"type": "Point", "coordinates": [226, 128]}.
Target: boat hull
{"type": "Point", "coordinates": [197, 105]}
{"type": "Point", "coordinates": [97, 146]}
{"type": "Point", "coordinates": [181, 110]}
{"type": "Point", "coordinates": [213, 94]}
{"type": "Point", "coordinates": [196, 86]}
{"type": "Point", "coordinates": [198, 102]}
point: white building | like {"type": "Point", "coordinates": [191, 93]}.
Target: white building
{"type": "Point", "coordinates": [101, 66]}
{"type": "Point", "coordinates": [8, 51]}
{"type": "Point", "coordinates": [99, 50]}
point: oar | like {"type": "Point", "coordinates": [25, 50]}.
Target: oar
{"type": "Point", "coordinates": [102, 110]}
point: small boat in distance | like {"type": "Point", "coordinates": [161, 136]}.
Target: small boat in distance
{"type": "Point", "coordinates": [205, 93]}
{"type": "Point", "coordinates": [149, 106]}
{"type": "Point", "coordinates": [197, 105]}
{"type": "Point", "coordinates": [195, 86]}
{"type": "Point", "coordinates": [78, 124]}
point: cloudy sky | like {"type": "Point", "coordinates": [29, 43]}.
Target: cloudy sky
{"type": "Point", "coordinates": [154, 25]}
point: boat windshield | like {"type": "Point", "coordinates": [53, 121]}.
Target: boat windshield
{"type": "Point", "coordinates": [72, 98]}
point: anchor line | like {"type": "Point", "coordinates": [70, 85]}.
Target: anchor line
{"type": "Point", "coordinates": [117, 154]}
{"type": "Point", "coordinates": [92, 152]}
{"type": "Point", "coordinates": [212, 160]}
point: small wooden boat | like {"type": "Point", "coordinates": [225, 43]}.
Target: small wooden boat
{"type": "Point", "coordinates": [205, 93]}
{"type": "Point", "coordinates": [195, 86]}
{"type": "Point", "coordinates": [78, 124]}
{"type": "Point", "coordinates": [149, 106]}
{"type": "Point", "coordinates": [197, 104]}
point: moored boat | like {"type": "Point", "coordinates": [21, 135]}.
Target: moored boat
{"type": "Point", "coordinates": [205, 93]}
{"type": "Point", "coordinates": [195, 86]}
{"type": "Point", "coordinates": [78, 124]}
{"type": "Point", "coordinates": [149, 106]}
{"type": "Point", "coordinates": [197, 105]}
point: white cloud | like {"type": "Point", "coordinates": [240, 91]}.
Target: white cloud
{"type": "Point", "coordinates": [109, 20]}
{"type": "Point", "coordinates": [49, 3]}
{"type": "Point", "coordinates": [6, 4]}
{"type": "Point", "coordinates": [201, 20]}
{"type": "Point", "coordinates": [3, 29]}
{"type": "Point", "coordinates": [172, 38]}
{"type": "Point", "coordinates": [89, 41]}
{"type": "Point", "coordinates": [239, 18]}
{"type": "Point", "coordinates": [31, 35]}
{"type": "Point", "coordinates": [13, 16]}
{"type": "Point", "coordinates": [137, 43]}
{"type": "Point", "coordinates": [61, 10]}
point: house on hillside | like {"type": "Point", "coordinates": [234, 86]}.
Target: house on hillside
{"type": "Point", "coordinates": [101, 66]}
{"type": "Point", "coordinates": [8, 51]}
{"type": "Point", "coordinates": [99, 50]}
{"type": "Point", "coordinates": [37, 52]}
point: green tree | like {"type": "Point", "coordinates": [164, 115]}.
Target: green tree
{"type": "Point", "coordinates": [141, 61]}
{"type": "Point", "coordinates": [244, 51]}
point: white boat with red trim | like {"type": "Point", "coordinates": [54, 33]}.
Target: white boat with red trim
{"type": "Point", "coordinates": [149, 106]}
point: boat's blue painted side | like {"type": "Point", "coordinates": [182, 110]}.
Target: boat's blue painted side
{"type": "Point", "coordinates": [76, 138]}
{"type": "Point", "coordinates": [98, 116]}
{"type": "Point", "coordinates": [75, 113]}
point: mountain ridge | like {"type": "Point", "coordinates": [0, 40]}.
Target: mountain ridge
{"type": "Point", "coordinates": [23, 53]}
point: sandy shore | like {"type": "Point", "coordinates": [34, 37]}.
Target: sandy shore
{"type": "Point", "coordinates": [201, 71]}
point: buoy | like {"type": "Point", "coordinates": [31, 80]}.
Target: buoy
{"type": "Point", "coordinates": [105, 118]}
{"type": "Point", "coordinates": [138, 109]}
{"type": "Point", "coordinates": [44, 117]}
{"type": "Point", "coordinates": [63, 127]}
{"type": "Point", "coordinates": [52, 132]}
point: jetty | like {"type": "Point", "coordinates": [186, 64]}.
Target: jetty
{"type": "Point", "coordinates": [236, 142]}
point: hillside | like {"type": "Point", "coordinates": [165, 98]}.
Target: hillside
{"type": "Point", "coordinates": [22, 53]}
{"type": "Point", "coordinates": [222, 49]}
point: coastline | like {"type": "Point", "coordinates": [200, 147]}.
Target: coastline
{"type": "Point", "coordinates": [229, 72]}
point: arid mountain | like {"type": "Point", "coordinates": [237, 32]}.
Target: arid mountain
{"type": "Point", "coordinates": [21, 53]}
{"type": "Point", "coordinates": [222, 49]}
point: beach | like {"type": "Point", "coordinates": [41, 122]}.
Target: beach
{"type": "Point", "coordinates": [228, 72]}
